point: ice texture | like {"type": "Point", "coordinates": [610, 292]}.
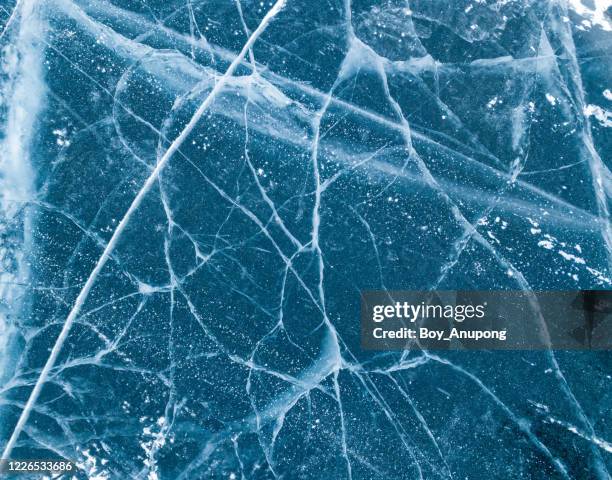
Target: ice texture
{"type": "Point", "coordinates": [194, 193]}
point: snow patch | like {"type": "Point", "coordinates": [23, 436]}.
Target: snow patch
{"type": "Point", "coordinates": [601, 114]}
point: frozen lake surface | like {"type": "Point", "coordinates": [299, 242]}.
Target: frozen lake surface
{"type": "Point", "coordinates": [194, 193]}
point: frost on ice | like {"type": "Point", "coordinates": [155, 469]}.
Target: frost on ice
{"type": "Point", "coordinates": [192, 195]}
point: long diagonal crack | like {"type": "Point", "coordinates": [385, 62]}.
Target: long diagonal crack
{"type": "Point", "coordinates": [82, 297]}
